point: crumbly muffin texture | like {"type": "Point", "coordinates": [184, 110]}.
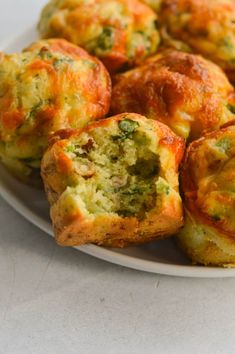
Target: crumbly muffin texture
{"type": "Point", "coordinates": [114, 183]}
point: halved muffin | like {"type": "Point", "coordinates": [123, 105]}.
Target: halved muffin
{"type": "Point", "coordinates": [52, 85]}
{"type": "Point", "coordinates": [120, 32]}
{"type": "Point", "coordinates": [205, 27]}
{"type": "Point", "coordinates": [208, 187]}
{"type": "Point", "coordinates": [114, 183]}
{"type": "Point", "coordinates": [187, 92]}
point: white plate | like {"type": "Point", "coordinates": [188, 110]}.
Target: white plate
{"type": "Point", "coordinates": [161, 257]}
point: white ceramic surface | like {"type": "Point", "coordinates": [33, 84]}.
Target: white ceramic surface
{"type": "Point", "coordinates": [160, 257]}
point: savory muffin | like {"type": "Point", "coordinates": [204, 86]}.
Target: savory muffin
{"type": "Point", "coordinates": [114, 182]}
{"type": "Point", "coordinates": [185, 91]}
{"type": "Point", "coordinates": [208, 186]}
{"type": "Point", "coordinates": [120, 32]}
{"type": "Point", "coordinates": [51, 85]}
{"type": "Point", "coordinates": [205, 27]}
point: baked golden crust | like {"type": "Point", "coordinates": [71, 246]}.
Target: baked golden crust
{"type": "Point", "coordinates": [120, 32]}
{"type": "Point", "coordinates": [114, 183]}
{"type": "Point", "coordinates": [208, 186]}
{"type": "Point", "coordinates": [205, 27]}
{"type": "Point", "coordinates": [185, 91]}
{"type": "Point", "coordinates": [52, 85]}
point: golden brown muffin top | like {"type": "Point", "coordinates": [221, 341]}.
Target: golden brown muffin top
{"type": "Point", "coordinates": [184, 91]}
{"type": "Point", "coordinates": [120, 32]}
{"type": "Point", "coordinates": [206, 27]}
{"type": "Point", "coordinates": [51, 85]}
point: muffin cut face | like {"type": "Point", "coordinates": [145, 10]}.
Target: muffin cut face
{"type": "Point", "coordinates": [185, 91]}
{"type": "Point", "coordinates": [51, 85]}
{"type": "Point", "coordinates": [120, 32]}
{"type": "Point", "coordinates": [125, 174]}
{"type": "Point", "coordinates": [113, 170]}
{"type": "Point", "coordinates": [209, 192]}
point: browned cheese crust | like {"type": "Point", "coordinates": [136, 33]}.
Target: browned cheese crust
{"type": "Point", "coordinates": [52, 85]}
{"type": "Point", "coordinates": [203, 27]}
{"type": "Point", "coordinates": [185, 91]}
{"type": "Point", "coordinates": [120, 32]}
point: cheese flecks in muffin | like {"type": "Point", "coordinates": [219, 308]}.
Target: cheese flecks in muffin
{"type": "Point", "coordinates": [51, 85]}
{"type": "Point", "coordinates": [114, 183]}
{"type": "Point", "coordinates": [208, 186]}
{"type": "Point", "coordinates": [187, 92]}
{"type": "Point", "coordinates": [204, 27]}
{"type": "Point", "coordinates": [120, 32]}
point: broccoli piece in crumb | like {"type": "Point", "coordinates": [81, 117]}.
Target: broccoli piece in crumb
{"type": "Point", "coordinates": [78, 151]}
{"type": "Point", "coordinates": [127, 127]}
{"type": "Point", "coordinates": [35, 109]}
{"type": "Point", "coordinates": [134, 190]}
{"type": "Point", "coordinates": [70, 148]}
{"type": "Point", "coordinates": [45, 54]}
{"type": "Point", "coordinates": [224, 144]}
{"type": "Point", "coordinates": [216, 217]}
{"type": "Point", "coordinates": [105, 40]}
{"type": "Point", "coordinates": [39, 106]}
{"type": "Point", "coordinates": [145, 168]}
{"type": "Point", "coordinates": [162, 187]}
{"type": "Point", "coordinates": [227, 43]}
{"type": "Point", "coordinates": [231, 108]}
{"type": "Point", "coordinates": [62, 61]}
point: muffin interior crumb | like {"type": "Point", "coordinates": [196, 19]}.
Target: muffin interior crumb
{"type": "Point", "coordinates": [116, 170]}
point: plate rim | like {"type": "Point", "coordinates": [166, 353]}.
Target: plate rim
{"type": "Point", "coordinates": [111, 256]}
{"type": "Point", "coordinates": [102, 253]}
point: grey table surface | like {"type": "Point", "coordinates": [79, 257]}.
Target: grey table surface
{"type": "Point", "coordinates": [56, 300]}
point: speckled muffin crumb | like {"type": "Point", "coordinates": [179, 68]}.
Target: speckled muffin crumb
{"type": "Point", "coordinates": [114, 183]}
